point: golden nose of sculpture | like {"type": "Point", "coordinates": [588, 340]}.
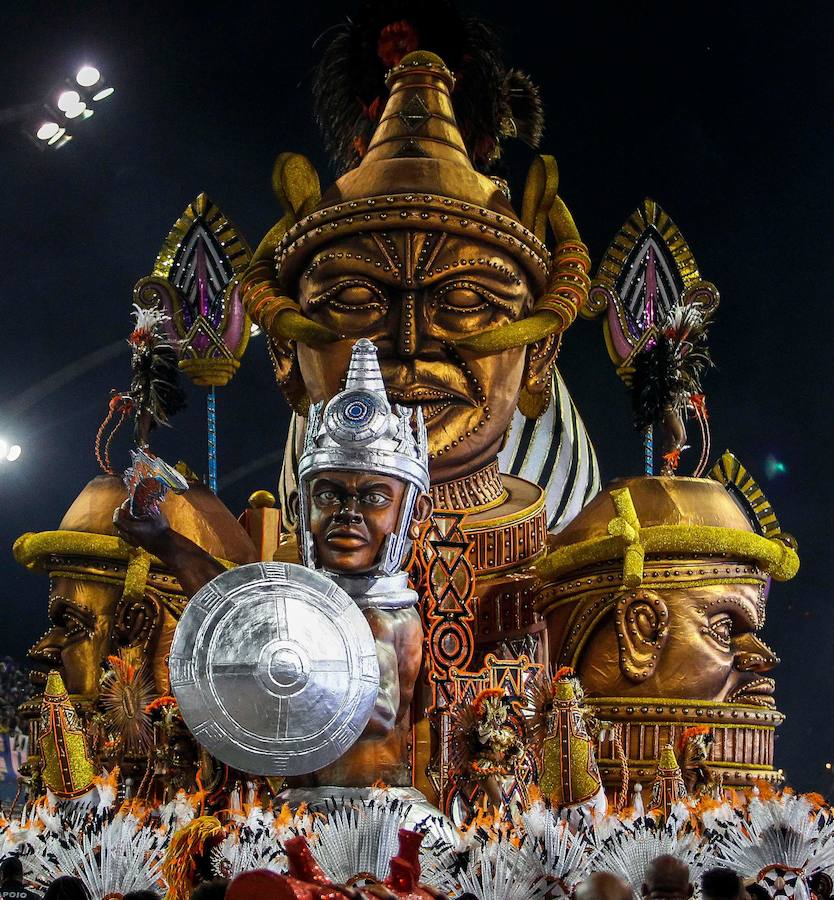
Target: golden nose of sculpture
{"type": "Point", "coordinates": [753, 655]}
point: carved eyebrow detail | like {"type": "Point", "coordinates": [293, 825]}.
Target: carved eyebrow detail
{"type": "Point", "coordinates": [510, 275]}
{"type": "Point", "coordinates": [747, 607]}
{"type": "Point", "coordinates": [334, 255]}
{"type": "Point", "coordinates": [376, 486]}
{"type": "Point", "coordinates": [83, 615]}
{"type": "Point", "coordinates": [74, 605]}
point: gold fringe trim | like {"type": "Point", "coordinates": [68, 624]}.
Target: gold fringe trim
{"type": "Point", "coordinates": [34, 549]}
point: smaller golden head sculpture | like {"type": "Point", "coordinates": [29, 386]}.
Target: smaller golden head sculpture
{"type": "Point", "coordinates": [107, 598]}
{"type": "Point", "coordinates": [656, 593]}
{"type": "Point", "coordinates": [67, 767]}
{"type": "Point", "coordinates": [416, 250]}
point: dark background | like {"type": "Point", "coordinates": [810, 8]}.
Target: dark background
{"type": "Point", "coordinates": [721, 112]}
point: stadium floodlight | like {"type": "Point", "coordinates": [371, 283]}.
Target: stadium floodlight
{"type": "Point", "coordinates": [59, 139]}
{"type": "Point", "coordinates": [48, 130]}
{"type": "Point", "coordinates": [53, 123]}
{"type": "Point", "coordinates": [68, 100]}
{"type": "Point", "coordinates": [75, 111]}
{"type": "Point", "coordinates": [87, 76]}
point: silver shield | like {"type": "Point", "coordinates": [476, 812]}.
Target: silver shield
{"type": "Point", "coordinates": [274, 669]}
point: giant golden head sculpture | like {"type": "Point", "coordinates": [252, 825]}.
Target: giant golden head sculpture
{"type": "Point", "coordinates": [655, 594]}
{"type": "Point", "coordinates": [424, 255]}
{"type": "Point", "coordinates": [106, 597]}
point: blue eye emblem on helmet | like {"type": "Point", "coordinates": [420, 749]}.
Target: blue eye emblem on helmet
{"type": "Point", "coordinates": [358, 412]}
{"type": "Point", "coordinates": [356, 417]}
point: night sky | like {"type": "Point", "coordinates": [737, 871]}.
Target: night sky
{"type": "Point", "coordinates": [723, 113]}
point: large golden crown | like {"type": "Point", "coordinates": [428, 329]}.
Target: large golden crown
{"type": "Point", "coordinates": [417, 174]}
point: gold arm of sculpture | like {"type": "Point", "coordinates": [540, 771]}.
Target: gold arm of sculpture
{"type": "Point", "coordinates": [569, 282]}
{"type": "Point", "coordinates": [296, 185]}
{"type": "Point", "coordinates": [555, 311]}
{"type": "Point", "coordinates": [275, 313]}
{"type": "Point", "coordinates": [278, 315]}
{"type": "Point", "coordinates": [540, 193]}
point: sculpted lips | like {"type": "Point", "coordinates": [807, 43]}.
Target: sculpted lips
{"type": "Point", "coordinates": [346, 538]}
{"type": "Point", "coordinates": [426, 382]}
{"type": "Point", "coordinates": [758, 692]}
{"type": "Point", "coordinates": [436, 390]}
{"type": "Point", "coordinates": [427, 394]}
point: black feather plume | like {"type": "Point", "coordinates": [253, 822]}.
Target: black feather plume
{"type": "Point", "coordinates": [154, 385]}
{"type": "Point", "coordinates": [491, 102]}
{"type": "Point", "coordinates": [670, 369]}
{"type": "Point", "coordinates": [524, 112]}
{"type": "Point", "coordinates": [160, 386]}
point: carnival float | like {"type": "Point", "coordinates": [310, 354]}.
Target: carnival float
{"type": "Point", "coordinates": [436, 657]}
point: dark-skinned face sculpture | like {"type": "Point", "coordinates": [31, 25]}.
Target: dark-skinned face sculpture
{"type": "Point", "coordinates": [419, 252]}
{"type": "Point", "coordinates": [363, 476]}
{"type": "Point", "coordinates": [351, 514]}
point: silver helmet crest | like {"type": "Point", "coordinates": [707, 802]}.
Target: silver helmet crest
{"type": "Point", "coordinates": [360, 431]}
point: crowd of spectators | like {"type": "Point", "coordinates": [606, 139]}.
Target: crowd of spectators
{"type": "Point", "coordinates": [667, 878]}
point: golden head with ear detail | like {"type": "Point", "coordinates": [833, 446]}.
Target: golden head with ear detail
{"type": "Point", "coordinates": [105, 596]}
{"type": "Point", "coordinates": [416, 250]}
{"type": "Point", "coordinates": [655, 593]}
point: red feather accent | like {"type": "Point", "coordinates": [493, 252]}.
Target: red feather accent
{"type": "Point", "coordinates": [673, 457]}
{"type": "Point", "coordinates": [396, 41]}
{"type": "Point", "coordinates": [699, 403]}
{"type": "Point", "coordinates": [373, 111]}
{"type": "Point", "coordinates": [479, 702]}
{"type": "Point", "coordinates": [688, 733]}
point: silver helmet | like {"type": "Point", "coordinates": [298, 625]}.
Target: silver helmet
{"type": "Point", "coordinates": [359, 431]}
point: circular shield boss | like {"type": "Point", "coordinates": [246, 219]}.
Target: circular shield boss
{"type": "Point", "coordinates": [274, 669]}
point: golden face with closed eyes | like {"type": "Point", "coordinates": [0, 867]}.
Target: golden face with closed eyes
{"type": "Point", "coordinates": [416, 294]}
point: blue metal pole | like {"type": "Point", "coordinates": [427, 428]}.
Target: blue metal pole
{"type": "Point", "coordinates": [648, 450]}
{"type": "Point", "coordinates": [211, 418]}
